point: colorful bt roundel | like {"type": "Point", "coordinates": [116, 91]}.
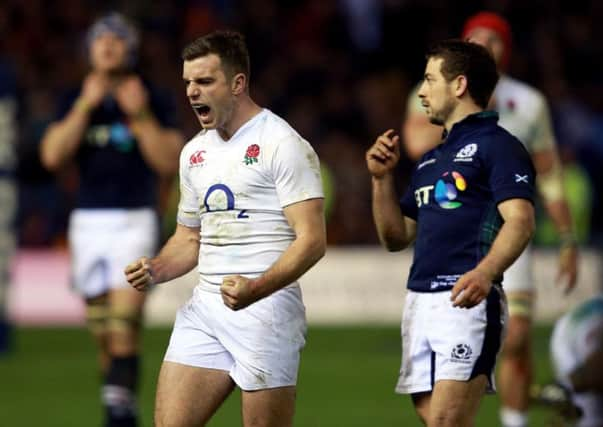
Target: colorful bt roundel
{"type": "Point", "coordinates": [446, 191]}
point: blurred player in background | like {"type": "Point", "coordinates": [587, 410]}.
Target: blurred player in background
{"type": "Point", "coordinates": [121, 136]}
{"type": "Point", "coordinates": [577, 353]}
{"type": "Point", "coordinates": [8, 191]}
{"type": "Point", "coordinates": [251, 216]}
{"type": "Point", "coordinates": [469, 206]}
{"type": "Point", "coordinates": [524, 113]}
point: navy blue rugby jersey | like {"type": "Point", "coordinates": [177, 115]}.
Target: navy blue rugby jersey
{"type": "Point", "coordinates": [112, 171]}
{"type": "Point", "coordinates": [453, 196]}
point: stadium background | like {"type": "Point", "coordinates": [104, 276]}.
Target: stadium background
{"type": "Point", "coordinates": [339, 72]}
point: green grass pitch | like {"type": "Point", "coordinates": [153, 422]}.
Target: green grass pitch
{"type": "Point", "coordinates": [347, 379]}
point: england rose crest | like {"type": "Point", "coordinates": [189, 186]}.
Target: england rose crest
{"type": "Point", "coordinates": [253, 151]}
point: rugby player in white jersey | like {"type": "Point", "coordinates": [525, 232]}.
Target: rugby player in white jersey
{"type": "Point", "coordinates": [523, 112]}
{"type": "Point", "coordinates": [251, 216]}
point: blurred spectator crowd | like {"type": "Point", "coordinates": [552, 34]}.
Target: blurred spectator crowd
{"type": "Point", "coordinates": [338, 70]}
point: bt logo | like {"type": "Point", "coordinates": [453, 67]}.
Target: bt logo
{"type": "Point", "coordinates": [445, 191]}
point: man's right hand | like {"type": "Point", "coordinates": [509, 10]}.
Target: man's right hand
{"type": "Point", "coordinates": [94, 89]}
{"type": "Point", "coordinates": [139, 274]}
{"type": "Point", "coordinates": [384, 154]}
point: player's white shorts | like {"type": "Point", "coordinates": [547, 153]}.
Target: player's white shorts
{"type": "Point", "coordinates": [103, 241]}
{"type": "Point", "coordinates": [518, 283]}
{"type": "Point", "coordinates": [259, 346]}
{"type": "Point", "coordinates": [441, 342]}
{"type": "Point", "coordinates": [572, 342]}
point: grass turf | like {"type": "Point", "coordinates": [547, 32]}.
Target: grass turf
{"type": "Point", "coordinates": [347, 379]}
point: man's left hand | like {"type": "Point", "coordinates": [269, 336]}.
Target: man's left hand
{"type": "Point", "coordinates": [568, 267]}
{"type": "Point", "coordinates": [132, 96]}
{"type": "Point", "coordinates": [471, 289]}
{"type": "Point", "coordinates": [237, 292]}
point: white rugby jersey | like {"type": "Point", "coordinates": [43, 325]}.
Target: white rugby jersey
{"type": "Point", "coordinates": [236, 190]}
{"type": "Point", "coordinates": [522, 111]}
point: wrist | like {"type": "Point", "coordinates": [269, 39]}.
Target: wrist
{"type": "Point", "coordinates": [82, 106]}
{"type": "Point", "coordinates": [382, 178]}
{"type": "Point", "coordinates": [487, 271]}
{"type": "Point", "coordinates": [141, 115]}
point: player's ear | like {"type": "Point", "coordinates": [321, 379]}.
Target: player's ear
{"type": "Point", "coordinates": [460, 85]}
{"type": "Point", "coordinates": [239, 84]}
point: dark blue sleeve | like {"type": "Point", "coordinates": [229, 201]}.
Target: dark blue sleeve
{"type": "Point", "coordinates": [511, 173]}
{"type": "Point", "coordinates": [408, 203]}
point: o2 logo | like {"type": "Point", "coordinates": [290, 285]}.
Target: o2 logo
{"type": "Point", "coordinates": [221, 198]}
{"type": "Point", "coordinates": [447, 188]}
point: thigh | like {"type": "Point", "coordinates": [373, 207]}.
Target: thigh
{"type": "Point", "coordinates": [273, 407]}
{"type": "Point", "coordinates": [466, 342]}
{"type": "Point", "coordinates": [422, 402]}
{"type": "Point", "coordinates": [187, 396]}
{"type": "Point", "coordinates": [416, 368]}
{"type": "Point", "coordinates": [455, 403]}
{"type": "Point", "coordinates": [265, 339]}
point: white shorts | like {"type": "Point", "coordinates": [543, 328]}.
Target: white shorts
{"type": "Point", "coordinates": [441, 342]}
{"type": "Point", "coordinates": [103, 241]}
{"type": "Point", "coordinates": [519, 276]}
{"type": "Point", "coordinates": [259, 346]}
{"type": "Point", "coordinates": [518, 283]}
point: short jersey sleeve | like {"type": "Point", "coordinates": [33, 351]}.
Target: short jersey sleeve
{"type": "Point", "coordinates": [511, 173]}
{"type": "Point", "coordinates": [295, 169]}
{"type": "Point", "coordinates": [188, 207]}
{"type": "Point", "coordinates": [543, 137]}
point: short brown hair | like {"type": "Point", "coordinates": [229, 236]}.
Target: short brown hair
{"type": "Point", "coordinates": [229, 45]}
{"type": "Point", "coordinates": [470, 60]}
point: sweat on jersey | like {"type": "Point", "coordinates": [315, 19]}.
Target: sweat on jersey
{"type": "Point", "coordinates": [236, 190]}
{"type": "Point", "coordinates": [454, 193]}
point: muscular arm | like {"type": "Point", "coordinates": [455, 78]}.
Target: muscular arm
{"type": "Point", "coordinates": [395, 230]}
{"type": "Point", "coordinates": [177, 257]}
{"type": "Point", "coordinates": [62, 139]}
{"type": "Point", "coordinates": [307, 220]}
{"type": "Point", "coordinates": [514, 235]}
{"type": "Point", "coordinates": [159, 146]}
{"type": "Point", "coordinates": [550, 186]}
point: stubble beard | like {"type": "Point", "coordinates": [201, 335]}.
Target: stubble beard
{"type": "Point", "coordinates": [440, 117]}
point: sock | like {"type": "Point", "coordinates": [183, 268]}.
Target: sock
{"type": "Point", "coordinates": [119, 392]}
{"type": "Point", "coordinates": [513, 418]}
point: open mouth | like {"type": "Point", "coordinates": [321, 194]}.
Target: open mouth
{"type": "Point", "coordinates": [201, 109]}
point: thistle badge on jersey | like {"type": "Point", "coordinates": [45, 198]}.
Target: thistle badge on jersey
{"type": "Point", "coordinates": [251, 157]}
